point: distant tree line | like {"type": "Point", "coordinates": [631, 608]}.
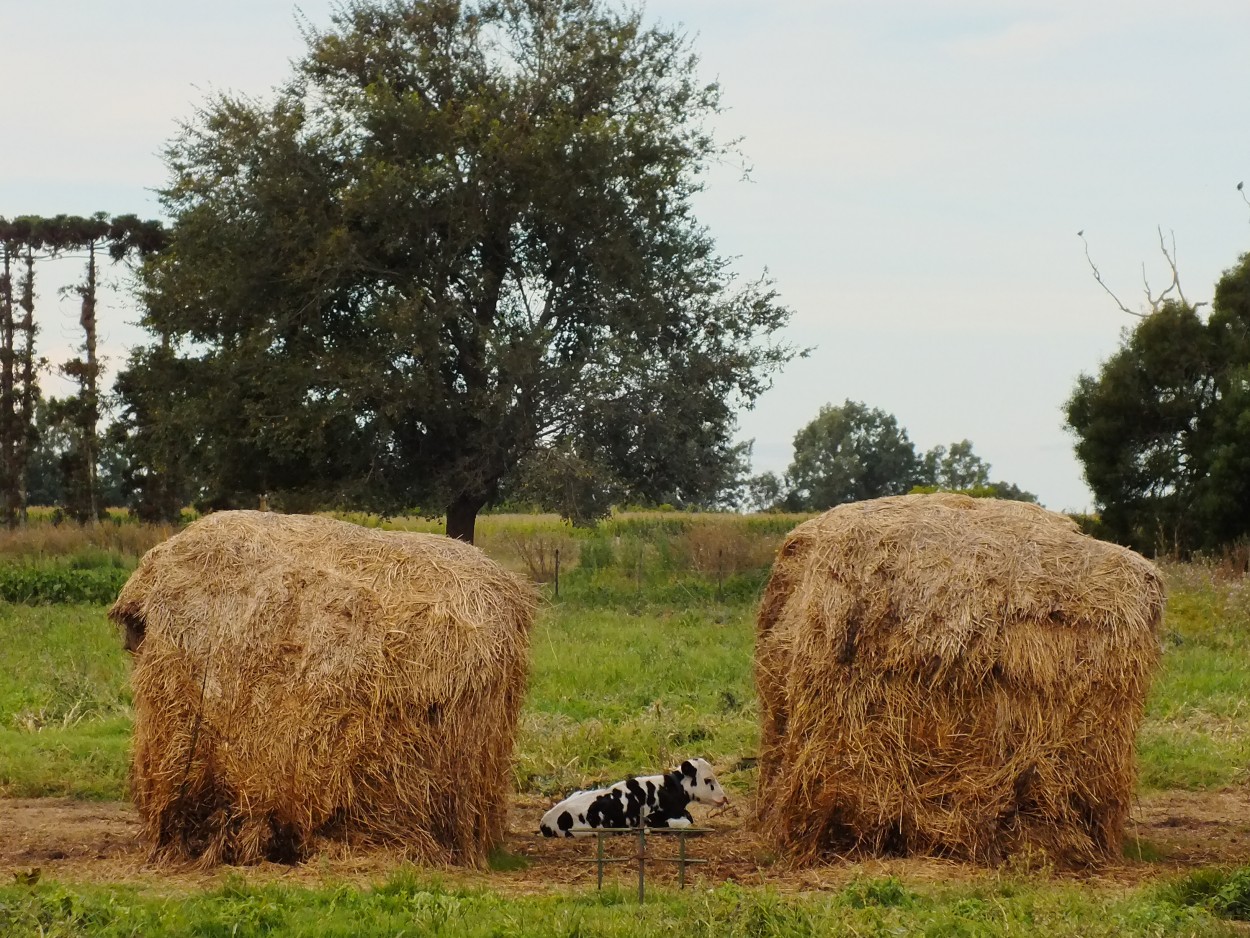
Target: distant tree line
{"type": "Point", "coordinates": [853, 452]}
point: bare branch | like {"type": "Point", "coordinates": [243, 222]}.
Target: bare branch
{"type": "Point", "coordinates": [1098, 277]}
{"type": "Point", "coordinates": [1156, 302]}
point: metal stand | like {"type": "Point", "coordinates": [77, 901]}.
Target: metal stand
{"type": "Point", "coordinates": [682, 861]}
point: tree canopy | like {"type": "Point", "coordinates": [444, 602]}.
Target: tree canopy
{"type": "Point", "coordinates": [854, 452]}
{"type": "Point", "coordinates": [1163, 429]}
{"type": "Point", "coordinates": [955, 468]}
{"type": "Point", "coordinates": [460, 235]}
{"type": "Point", "coordinates": [850, 453]}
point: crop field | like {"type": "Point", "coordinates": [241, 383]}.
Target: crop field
{"type": "Point", "coordinates": [643, 659]}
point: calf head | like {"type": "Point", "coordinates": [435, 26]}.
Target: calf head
{"type": "Point", "coordinates": [700, 783]}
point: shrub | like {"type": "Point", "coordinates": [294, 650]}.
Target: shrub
{"type": "Point", "coordinates": [538, 552]}
{"type": "Point", "coordinates": [724, 548]}
{"type": "Point", "coordinates": [887, 892]}
{"type": "Point", "coordinates": [58, 583]}
{"type": "Point", "coordinates": [1222, 892]}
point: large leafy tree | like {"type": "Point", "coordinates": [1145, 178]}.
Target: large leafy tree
{"type": "Point", "coordinates": [1163, 430]}
{"type": "Point", "coordinates": [849, 453]}
{"type": "Point", "coordinates": [460, 233]}
{"type": "Point", "coordinates": [955, 467]}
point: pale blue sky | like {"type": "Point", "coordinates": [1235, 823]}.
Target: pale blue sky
{"type": "Point", "coordinates": [920, 170]}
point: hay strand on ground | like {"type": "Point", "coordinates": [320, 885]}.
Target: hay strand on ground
{"type": "Point", "coordinates": [951, 676]}
{"type": "Point", "coordinates": [298, 678]}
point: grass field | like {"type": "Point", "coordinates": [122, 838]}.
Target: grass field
{"type": "Point", "coordinates": [409, 904]}
{"type": "Point", "coordinates": [613, 686]}
{"type": "Point", "coordinates": [644, 659]}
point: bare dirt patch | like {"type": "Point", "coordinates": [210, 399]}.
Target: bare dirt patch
{"type": "Point", "coordinates": [98, 842]}
{"type": "Point", "coordinates": [1195, 828]}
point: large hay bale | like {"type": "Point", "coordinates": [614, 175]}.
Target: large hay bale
{"type": "Point", "coordinates": [298, 678]}
{"type": "Point", "coordinates": [949, 676]}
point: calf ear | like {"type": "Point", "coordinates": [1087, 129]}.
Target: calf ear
{"type": "Point", "coordinates": [687, 768]}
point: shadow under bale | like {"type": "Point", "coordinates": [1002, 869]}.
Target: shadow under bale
{"type": "Point", "coordinates": [948, 676]}
{"type": "Point", "coordinates": [297, 678]}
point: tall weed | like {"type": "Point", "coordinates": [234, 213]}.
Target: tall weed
{"type": "Point", "coordinates": [125, 540]}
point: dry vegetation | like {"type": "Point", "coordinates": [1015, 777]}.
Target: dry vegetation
{"type": "Point", "coordinates": [116, 537]}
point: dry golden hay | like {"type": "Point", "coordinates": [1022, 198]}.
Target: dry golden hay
{"type": "Point", "coordinates": [298, 678]}
{"type": "Point", "coordinates": [948, 676]}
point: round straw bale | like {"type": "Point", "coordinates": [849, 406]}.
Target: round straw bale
{"type": "Point", "coordinates": [298, 678]}
{"type": "Point", "coordinates": [949, 676]}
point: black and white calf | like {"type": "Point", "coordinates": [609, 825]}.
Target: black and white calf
{"type": "Point", "coordinates": [651, 800]}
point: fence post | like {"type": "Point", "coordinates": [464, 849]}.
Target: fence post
{"type": "Point", "coordinates": [681, 858]}
{"type": "Point", "coordinates": [600, 864]}
{"type": "Point", "coordinates": [720, 583]}
{"type": "Point", "coordinates": [557, 597]}
{"type": "Point", "coordinates": [642, 862]}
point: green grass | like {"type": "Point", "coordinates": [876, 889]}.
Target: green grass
{"type": "Point", "coordinates": [1225, 893]}
{"type": "Point", "coordinates": [90, 760]}
{"type": "Point", "coordinates": [637, 665]}
{"type": "Point", "coordinates": [614, 688]}
{"type": "Point", "coordinates": [1197, 729]}
{"type": "Point", "coordinates": [60, 665]}
{"type": "Point", "coordinates": [409, 904]}
{"type": "Point", "coordinates": [610, 692]}
{"type": "Point", "coordinates": [64, 703]}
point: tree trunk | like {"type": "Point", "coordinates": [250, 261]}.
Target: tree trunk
{"type": "Point", "coordinates": [29, 386]}
{"type": "Point", "coordinates": [89, 413]}
{"type": "Point", "coordinates": [8, 425]}
{"type": "Point", "coordinates": [462, 517]}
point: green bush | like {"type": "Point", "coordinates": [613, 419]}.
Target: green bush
{"type": "Point", "coordinates": [44, 584]}
{"type": "Point", "coordinates": [1233, 898]}
{"type": "Point", "coordinates": [1222, 892]}
{"type": "Point", "coordinates": [887, 892]}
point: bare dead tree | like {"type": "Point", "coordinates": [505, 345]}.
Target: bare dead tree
{"type": "Point", "coordinates": [1155, 302]}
